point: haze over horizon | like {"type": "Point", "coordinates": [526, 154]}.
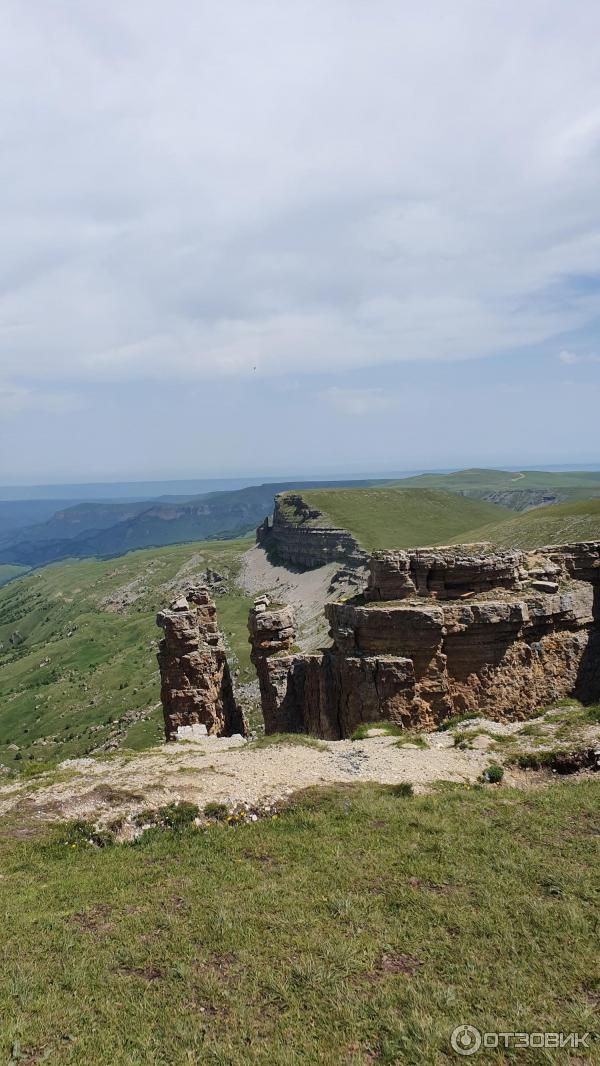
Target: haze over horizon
{"type": "Point", "coordinates": [319, 237]}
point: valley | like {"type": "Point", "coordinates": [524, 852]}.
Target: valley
{"type": "Point", "coordinates": [78, 643]}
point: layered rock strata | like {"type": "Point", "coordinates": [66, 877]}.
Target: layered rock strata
{"type": "Point", "coordinates": [440, 632]}
{"type": "Point", "coordinates": [300, 537]}
{"type": "Point", "coordinates": [196, 687]}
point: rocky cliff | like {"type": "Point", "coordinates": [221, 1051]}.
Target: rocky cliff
{"type": "Point", "coordinates": [300, 536]}
{"type": "Point", "coordinates": [196, 689]}
{"type": "Point", "coordinates": [440, 632]}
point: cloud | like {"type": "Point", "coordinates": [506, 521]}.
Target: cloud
{"type": "Point", "coordinates": [16, 400]}
{"type": "Point", "coordinates": [272, 189]}
{"type": "Point", "coordinates": [572, 358]}
{"type": "Point", "coordinates": [357, 403]}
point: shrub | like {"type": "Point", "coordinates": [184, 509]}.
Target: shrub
{"type": "Point", "coordinates": [82, 832]}
{"type": "Point", "coordinates": [177, 815]}
{"type": "Point", "coordinates": [404, 789]}
{"type": "Point", "coordinates": [216, 810]}
{"type": "Point", "coordinates": [493, 774]}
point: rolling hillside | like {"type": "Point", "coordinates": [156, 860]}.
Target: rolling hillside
{"type": "Point", "coordinates": [518, 491]}
{"type": "Point", "coordinates": [402, 518]}
{"type": "Point", "coordinates": [78, 645]}
{"type": "Point", "coordinates": [558, 524]}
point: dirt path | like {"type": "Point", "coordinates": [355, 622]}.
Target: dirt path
{"type": "Point", "coordinates": [234, 772]}
{"type": "Point", "coordinates": [230, 771]}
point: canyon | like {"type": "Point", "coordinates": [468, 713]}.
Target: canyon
{"type": "Point", "coordinates": [436, 633]}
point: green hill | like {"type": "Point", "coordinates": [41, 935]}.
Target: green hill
{"type": "Point", "coordinates": [402, 518]}
{"type": "Point", "coordinates": [518, 491]}
{"type": "Point", "coordinates": [558, 524]}
{"type": "Point", "coordinates": [78, 648]}
{"type": "Point", "coordinates": [480, 478]}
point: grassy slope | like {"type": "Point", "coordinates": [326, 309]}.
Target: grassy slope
{"type": "Point", "coordinates": [507, 479]}
{"type": "Point", "coordinates": [557, 524]}
{"type": "Point", "coordinates": [402, 518]}
{"type": "Point", "coordinates": [355, 929]}
{"type": "Point", "coordinates": [76, 667]}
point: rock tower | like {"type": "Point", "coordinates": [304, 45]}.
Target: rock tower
{"type": "Point", "coordinates": [196, 688]}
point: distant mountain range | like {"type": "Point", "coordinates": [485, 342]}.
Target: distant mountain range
{"type": "Point", "coordinates": [37, 531]}
{"type": "Point", "coordinates": [108, 529]}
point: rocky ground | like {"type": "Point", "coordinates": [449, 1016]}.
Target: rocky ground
{"type": "Point", "coordinates": [307, 592]}
{"type": "Point", "coordinates": [264, 774]}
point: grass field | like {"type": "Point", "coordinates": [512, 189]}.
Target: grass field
{"type": "Point", "coordinates": [517, 491]}
{"type": "Point", "coordinates": [402, 518]}
{"type": "Point", "coordinates": [359, 927]}
{"type": "Point", "coordinates": [480, 478]}
{"type": "Point", "coordinates": [75, 674]}
{"type": "Point", "coordinates": [557, 524]}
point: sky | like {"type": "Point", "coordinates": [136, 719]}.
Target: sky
{"type": "Point", "coordinates": [321, 236]}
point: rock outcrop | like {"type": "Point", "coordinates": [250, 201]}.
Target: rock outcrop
{"type": "Point", "coordinates": [196, 688]}
{"type": "Point", "coordinates": [301, 538]}
{"type": "Point", "coordinates": [439, 632]}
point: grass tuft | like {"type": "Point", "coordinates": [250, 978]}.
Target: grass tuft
{"type": "Point", "coordinates": [294, 739]}
{"type": "Point", "coordinates": [389, 729]}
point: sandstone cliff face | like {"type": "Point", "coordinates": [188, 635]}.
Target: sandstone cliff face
{"type": "Point", "coordinates": [301, 538]}
{"type": "Point", "coordinates": [196, 688]}
{"type": "Point", "coordinates": [444, 573]}
{"type": "Point", "coordinates": [444, 631]}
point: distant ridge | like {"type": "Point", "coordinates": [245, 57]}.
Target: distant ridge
{"type": "Point", "coordinates": [108, 529]}
{"type": "Point", "coordinates": [560, 523]}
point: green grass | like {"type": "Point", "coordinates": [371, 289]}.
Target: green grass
{"type": "Point", "coordinates": [416, 740]}
{"type": "Point", "coordinates": [294, 739]}
{"type": "Point", "coordinates": [74, 675]}
{"type": "Point", "coordinates": [359, 927]}
{"type": "Point", "coordinates": [402, 518]}
{"type": "Point", "coordinates": [389, 729]}
{"type": "Point", "coordinates": [484, 479]}
{"type": "Point", "coordinates": [556, 524]}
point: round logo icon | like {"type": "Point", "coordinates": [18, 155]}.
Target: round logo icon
{"type": "Point", "coordinates": [465, 1040]}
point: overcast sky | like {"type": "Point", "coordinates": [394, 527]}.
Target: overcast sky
{"type": "Point", "coordinates": [297, 235]}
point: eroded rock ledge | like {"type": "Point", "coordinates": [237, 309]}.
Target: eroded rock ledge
{"type": "Point", "coordinates": [196, 690]}
{"type": "Point", "coordinates": [300, 536]}
{"type": "Point", "coordinates": [438, 632]}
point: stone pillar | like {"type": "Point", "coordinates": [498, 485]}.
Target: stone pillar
{"type": "Point", "coordinates": [272, 635]}
{"type": "Point", "coordinates": [196, 687]}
